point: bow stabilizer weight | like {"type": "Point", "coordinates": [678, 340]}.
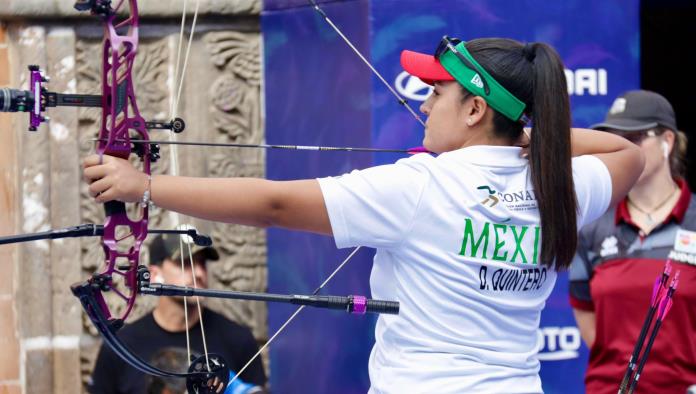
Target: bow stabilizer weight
{"type": "Point", "coordinates": [355, 304]}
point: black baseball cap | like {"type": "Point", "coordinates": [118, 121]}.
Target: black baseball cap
{"type": "Point", "coordinates": [639, 110]}
{"type": "Point", "coordinates": [166, 246]}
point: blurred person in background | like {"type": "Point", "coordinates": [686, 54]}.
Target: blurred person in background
{"type": "Point", "coordinates": [620, 255]}
{"type": "Point", "coordinates": [165, 327]}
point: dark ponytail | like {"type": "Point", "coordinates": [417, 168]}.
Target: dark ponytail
{"type": "Point", "coordinates": [534, 73]}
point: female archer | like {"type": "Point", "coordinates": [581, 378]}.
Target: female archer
{"type": "Point", "coordinates": [468, 241]}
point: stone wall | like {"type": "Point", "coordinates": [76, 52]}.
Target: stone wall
{"type": "Point", "coordinates": [9, 339]}
{"type": "Point", "coordinates": [48, 344]}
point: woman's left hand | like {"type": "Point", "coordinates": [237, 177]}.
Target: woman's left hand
{"type": "Point", "coordinates": [111, 178]}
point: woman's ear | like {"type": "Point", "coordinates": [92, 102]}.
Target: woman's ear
{"type": "Point", "coordinates": [476, 111]}
{"type": "Point", "coordinates": [668, 137]}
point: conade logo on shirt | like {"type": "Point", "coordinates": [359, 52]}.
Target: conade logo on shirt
{"type": "Point", "coordinates": [521, 200]}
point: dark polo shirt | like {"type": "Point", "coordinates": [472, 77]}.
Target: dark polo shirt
{"type": "Point", "coordinates": [613, 275]}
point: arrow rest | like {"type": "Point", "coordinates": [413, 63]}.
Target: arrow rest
{"type": "Point", "coordinates": [154, 151]}
{"type": "Point", "coordinates": [96, 7]}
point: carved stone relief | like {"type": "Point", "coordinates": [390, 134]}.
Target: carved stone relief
{"type": "Point", "coordinates": [235, 97]}
{"type": "Point", "coordinates": [227, 85]}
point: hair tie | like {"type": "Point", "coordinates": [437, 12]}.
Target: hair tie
{"type": "Point", "coordinates": [529, 51]}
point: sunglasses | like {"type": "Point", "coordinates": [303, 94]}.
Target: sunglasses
{"type": "Point", "coordinates": [449, 44]}
{"type": "Point", "coordinates": [635, 137]}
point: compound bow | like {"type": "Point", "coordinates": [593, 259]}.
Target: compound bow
{"type": "Point", "coordinates": [123, 131]}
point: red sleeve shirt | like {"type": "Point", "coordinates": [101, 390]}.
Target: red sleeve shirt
{"type": "Point", "coordinates": [613, 275]}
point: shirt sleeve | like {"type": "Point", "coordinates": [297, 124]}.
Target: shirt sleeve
{"type": "Point", "coordinates": [592, 187]}
{"type": "Point", "coordinates": [579, 276]}
{"type": "Point", "coordinates": [375, 207]}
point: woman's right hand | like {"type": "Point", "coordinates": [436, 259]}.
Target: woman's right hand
{"type": "Point", "coordinates": [112, 178]}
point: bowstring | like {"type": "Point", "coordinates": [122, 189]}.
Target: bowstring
{"type": "Point", "coordinates": [198, 304]}
{"type": "Point", "coordinates": [174, 102]}
{"type": "Point", "coordinates": [186, 323]}
{"type": "Point", "coordinates": [179, 77]}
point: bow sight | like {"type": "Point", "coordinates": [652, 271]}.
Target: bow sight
{"type": "Point", "coordinates": [36, 100]}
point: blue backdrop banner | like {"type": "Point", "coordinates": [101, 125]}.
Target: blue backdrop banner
{"type": "Point", "coordinates": [317, 91]}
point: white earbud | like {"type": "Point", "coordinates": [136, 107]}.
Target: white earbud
{"type": "Point", "coordinates": [158, 279]}
{"type": "Point", "coordinates": [665, 149]}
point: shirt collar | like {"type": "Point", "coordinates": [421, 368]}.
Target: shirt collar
{"type": "Point", "coordinates": [488, 156]}
{"type": "Point", "coordinates": [677, 214]}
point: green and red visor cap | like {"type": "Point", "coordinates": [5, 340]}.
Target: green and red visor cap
{"type": "Point", "coordinates": [453, 62]}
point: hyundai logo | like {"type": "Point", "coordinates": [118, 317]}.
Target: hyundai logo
{"type": "Point", "coordinates": [412, 88]}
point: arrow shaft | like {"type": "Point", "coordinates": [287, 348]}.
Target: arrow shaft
{"type": "Point", "coordinates": [275, 146]}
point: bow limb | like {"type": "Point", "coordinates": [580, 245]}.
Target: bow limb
{"type": "Point", "coordinates": [198, 380]}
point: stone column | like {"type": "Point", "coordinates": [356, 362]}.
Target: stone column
{"type": "Point", "coordinates": [48, 344]}
{"type": "Point", "coordinates": [9, 338]}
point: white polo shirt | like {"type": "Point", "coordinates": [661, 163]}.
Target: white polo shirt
{"type": "Point", "coordinates": [457, 239]}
